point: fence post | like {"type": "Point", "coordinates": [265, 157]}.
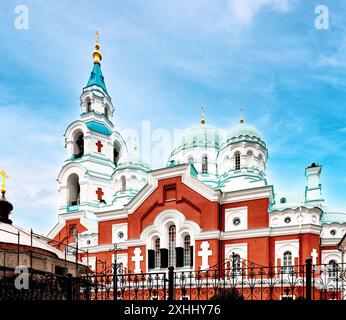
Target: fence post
{"type": "Point", "coordinates": [115, 281]}
{"type": "Point", "coordinates": [308, 275]}
{"type": "Point", "coordinates": [69, 294]}
{"type": "Point", "coordinates": [170, 283]}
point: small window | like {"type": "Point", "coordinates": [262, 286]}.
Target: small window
{"type": "Point", "coordinates": [171, 245]}
{"type": "Point", "coordinates": [157, 253]}
{"type": "Point", "coordinates": [236, 221]}
{"type": "Point", "coordinates": [287, 220]}
{"type": "Point", "coordinates": [205, 165]}
{"type": "Point", "coordinates": [287, 260]}
{"type": "Point", "coordinates": [332, 268]}
{"type": "Point", "coordinates": [283, 200]}
{"type": "Point", "coordinates": [333, 232]}
{"type": "Point", "coordinates": [123, 183]}
{"type": "Point", "coordinates": [237, 161]}
{"type": "Point", "coordinates": [187, 252]}
{"type": "Point", "coordinates": [120, 234]}
{"type": "Point", "coordinates": [236, 264]}
{"type": "Point", "coordinates": [73, 230]}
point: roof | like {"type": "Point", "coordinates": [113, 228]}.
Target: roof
{"type": "Point", "coordinates": [9, 234]}
{"type": "Point", "coordinates": [333, 217]}
{"type": "Point", "coordinates": [98, 127]}
{"type": "Point", "coordinates": [96, 78]}
{"type": "Point", "coordinates": [199, 135]}
{"type": "Point", "coordinates": [243, 129]}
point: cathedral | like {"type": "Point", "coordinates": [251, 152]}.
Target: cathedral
{"type": "Point", "coordinates": [210, 202]}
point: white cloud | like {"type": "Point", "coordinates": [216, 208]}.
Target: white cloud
{"type": "Point", "coordinates": [244, 11]}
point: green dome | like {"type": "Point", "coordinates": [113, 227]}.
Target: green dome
{"type": "Point", "coordinates": [201, 135]}
{"type": "Point", "coordinates": [133, 161]}
{"type": "Point", "coordinates": [243, 129]}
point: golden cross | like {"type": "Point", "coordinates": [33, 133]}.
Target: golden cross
{"type": "Point", "coordinates": [241, 115]}
{"type": "Point", "coordinates": [202, 116]}
{"type": "Point", "coordinates": [97, 36]}
{"type": "Point", "coordinates": [4, 177]}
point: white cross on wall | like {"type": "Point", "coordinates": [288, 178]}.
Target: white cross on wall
{"type": "Point", "coordinates": [205, 253]}
{"type": "Point", "coordinates": [137, 258]}
{"type": "Point", "coordinates": [314, 256]}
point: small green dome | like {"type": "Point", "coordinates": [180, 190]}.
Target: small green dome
{"type": "Point", "coordinates": [133, 161]}
{"type": "Point", "coordinates": [201, 135]}
{"type": "Point", "coordinates": [243, 129]}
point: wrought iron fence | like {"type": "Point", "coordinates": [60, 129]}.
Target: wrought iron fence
{"type": "Point", "coordinates": [230, 281]}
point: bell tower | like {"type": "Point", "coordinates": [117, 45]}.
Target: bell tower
{"type": "Point", "coordinates": [93, 148]}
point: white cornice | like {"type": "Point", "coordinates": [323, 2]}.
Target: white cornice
{"type": "Point", "coordinates": [104, 248]}
{"type": "Point", "coordinates": [249, 233]}
{"type": "Point", "coordinates": [248, 194]}
{"type": "Point", "coordinates": [329, 242]}
{"type": "Point", "coordinates": [215, 234]}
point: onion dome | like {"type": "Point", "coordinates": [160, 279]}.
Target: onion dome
{"type": "Point", "coordinates": [133, 161]}
{"type": "Point", "coordinates": [243, 131]}
{"type": "Point", "coordinates": [5, 209]}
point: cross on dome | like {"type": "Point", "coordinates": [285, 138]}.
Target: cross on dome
{"type": "Point", "coordinates": [4, 176]}
{"type": "Point", "coordinates": [202, 116]}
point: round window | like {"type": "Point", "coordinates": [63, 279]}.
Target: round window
{"type": "Point", "coordinates": [236, 221]}
{"type": "Point", "coordinates": [287, 220]}
{"type": "Point", "coordinates": [120, 234]}
{"type": "Point", "coordinates": [333, 232]}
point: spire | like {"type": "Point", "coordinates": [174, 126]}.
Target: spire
{"type": "Point", "coordinates": [241, 120]}
{"type": "Point", "coordinates": [97, 54]}
{"type": "Point", "coordinates": [96, 77]}
{"type": "Point", "coordinates": [202, 116]}
{"type": "Point", "coordinates": [5, 206]}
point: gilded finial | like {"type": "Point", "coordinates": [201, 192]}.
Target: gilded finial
{"type": "Point", "coordinates": [97, 54]}
{"type": "Point", "coordinates": [241, 116]}
{"type": "Point", "coordinates": [3, 176]}
{"type": "Point", "coordinates": [202, 116]}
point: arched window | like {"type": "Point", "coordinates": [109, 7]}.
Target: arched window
{"type": "Point", "coordinates": [88, 105]}
{"type": "Point", "coordinates": [73, 230]}
{"type": "Point", "coordinates": [237, 161]}
{"type": "Point", "coordinates": [157, 253]}
{"type": "Point", "coordinates": [73, 190]}
{"type": "Point", "coordinates": [332, 268]}
{"type": "Point", "coordinates": [107, 111]}
{"type": "Point", "coordinates": [260, 163]}
{"type": "Point", "coordinates": [78, 145]}
{"type": "Point", "coordinates": [187, 250]}
{"type": "Point", "coordinates": [116, 153]}
{"type": "Point", "coordinates": [205, 165]}
{"type": "Point", "coordinates": [171, 245]}
{"type": "Point", "coordinates": [249, 159]}
{"type": "Point", "coordinates": [287, 260]}
{"type": "Point", "coordinates": [123, 183]}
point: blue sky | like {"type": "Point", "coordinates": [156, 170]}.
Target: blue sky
{"type": "Point", "coordinates": [162, 60]}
